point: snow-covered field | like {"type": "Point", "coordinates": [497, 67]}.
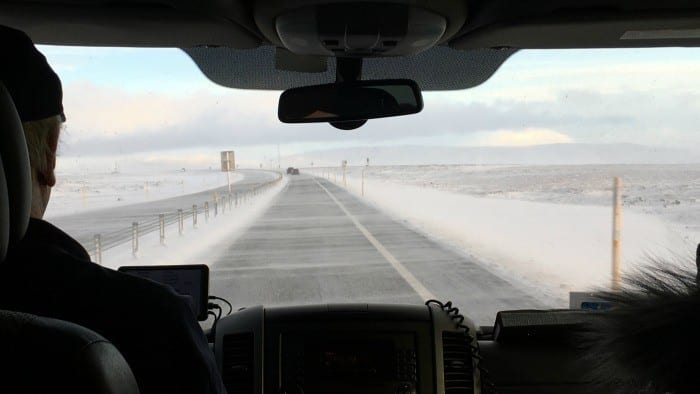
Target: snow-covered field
{"type": "Point", "coordinates": [548, 227]}
{"type": "Point", "coordinates": [670, 191]}
{"type": "Point", "coordinates": [82, 192]}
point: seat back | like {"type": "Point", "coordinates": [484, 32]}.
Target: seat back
{"type": "Point", "coordinates": [15, 159]}
{"type": "Point", "coordinates": [42, 355]}
{"type": "Point", "coordinates": [4, 214]}
{"type": "Point", "coordinates": [13, 185]}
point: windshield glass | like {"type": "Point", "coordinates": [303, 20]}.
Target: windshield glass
{"type": "Point", "coordinates": [498, 197]}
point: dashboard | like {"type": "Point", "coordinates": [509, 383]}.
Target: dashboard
{"type": "Point", "coordinates": [398, 349]}
{"type": "Point", "coordinates": [384, 348]}
{"type": "Point", "coordinates": [347, 348]}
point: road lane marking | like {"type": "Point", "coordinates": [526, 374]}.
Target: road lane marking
{"type": "Point", "coordinates": [422, 291]}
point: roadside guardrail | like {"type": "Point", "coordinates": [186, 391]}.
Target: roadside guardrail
{"type": "Point", "coordinates": [209, 209]}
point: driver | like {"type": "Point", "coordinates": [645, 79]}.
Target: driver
{"type": "Point", "coordinates": [50, 274]}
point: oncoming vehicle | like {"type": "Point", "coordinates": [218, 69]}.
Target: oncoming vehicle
{"type": "Point", "coordinates": [483, 175]}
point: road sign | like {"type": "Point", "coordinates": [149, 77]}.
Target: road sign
{"type": "Point", "coordinates": [228, 161]}
{"type": "Point", "coordinates": [228, 164]}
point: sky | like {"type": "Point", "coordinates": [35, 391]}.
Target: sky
{"type": "Point", "coordinates": [155, 106]}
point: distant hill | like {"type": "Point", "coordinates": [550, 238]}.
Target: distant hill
{"type": "Point", "coordinates": [532, 155]}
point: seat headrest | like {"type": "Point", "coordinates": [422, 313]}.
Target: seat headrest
{"type": "Point", "coordinates": [15, 160]}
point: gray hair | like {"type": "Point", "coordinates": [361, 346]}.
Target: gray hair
{"type": "Point", "coordinates": [36, 132]}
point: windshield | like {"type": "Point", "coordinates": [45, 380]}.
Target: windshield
{"type": "Point", "coordinates": [498, 197]}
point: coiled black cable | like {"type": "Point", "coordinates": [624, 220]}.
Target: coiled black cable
{"type": "Point", "coordinates": [213, 306]}
{"type": "Point", "coordinates": [230, 308]}
{"type": "Point", "coordinates": [487, 386]}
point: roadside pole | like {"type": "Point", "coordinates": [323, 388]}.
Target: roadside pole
{"type": "Point", "coordinates": [161, 227]}
{"type": "Point", "coordinates": [228, 175]}
{"type": "Point", "coordinates": [134, 239]}
{"type": "Point", "coordinates": [98, 249]}
{"type": "Point", "coordinates": [617, 218]}
{"type": "Point", "coordinates": [216, 204]}
{"type": "Point", "coordinates": [194, 216]}
{"type": "Point", "coordinates": [83, 194]}
{"type": "Point", "coordinates": [363, 181]}
{"type": "Point", "coordinates": [345, 181]}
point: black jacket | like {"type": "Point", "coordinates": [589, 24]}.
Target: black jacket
{"type": "Point", "coordinates": [50, 274]}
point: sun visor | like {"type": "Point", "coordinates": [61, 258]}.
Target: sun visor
{"type": "Point", "coordinates": [589, 30]}
{"type": "Point", "coordinates": [439, 68]}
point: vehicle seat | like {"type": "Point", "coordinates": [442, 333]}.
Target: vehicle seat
{"type": "Point", "coordinates": [38, 354]}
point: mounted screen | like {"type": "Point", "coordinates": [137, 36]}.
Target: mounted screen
{"type": "Point", "coordinates": [190, 281]}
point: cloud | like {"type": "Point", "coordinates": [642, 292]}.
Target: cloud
{"type": "Point", "coordinates": [525, 137]}
{"type": "Point", "coordinates": [109, 113]}
{"type": "Point", "coordinates": [592, 104]}
{"type": "Point", "coordinates": [108, 120]}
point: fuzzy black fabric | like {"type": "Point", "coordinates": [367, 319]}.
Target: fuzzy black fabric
{"type": "Point", "coordinates": [650, 341]}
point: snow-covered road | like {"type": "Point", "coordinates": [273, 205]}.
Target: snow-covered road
{"type": "Point", "coordinates": [318, 243]}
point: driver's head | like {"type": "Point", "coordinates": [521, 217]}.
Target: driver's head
{"type": "Point", "coordinates": [37, 94]}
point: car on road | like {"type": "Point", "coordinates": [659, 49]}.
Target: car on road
{"type": "Point", "coordinates": [466, 259]}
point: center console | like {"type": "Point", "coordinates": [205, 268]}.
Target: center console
{"type": "Point", "coordinates": [372, 362]}
{"type": "Point", "coordinates": [349, 348]}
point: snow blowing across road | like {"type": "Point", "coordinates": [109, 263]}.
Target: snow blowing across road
{"type": "Point", "coordinates": [318, 244]}
{"type": "Point", "coordinates": [552, 248]}
{"type": "Point", "coordinates": [197, 245]}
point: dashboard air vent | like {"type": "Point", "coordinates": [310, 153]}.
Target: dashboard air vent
{"type": "Point", "coordinates": [459, 376]}
{"type": "Point", "coordinates": [238, 370]}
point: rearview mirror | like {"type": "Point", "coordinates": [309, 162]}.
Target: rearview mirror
{"type": "Point", "coordinates": [350, 101]}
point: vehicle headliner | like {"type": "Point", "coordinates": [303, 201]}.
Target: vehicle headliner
{"type": "Point", "coordinates": [229, 43]}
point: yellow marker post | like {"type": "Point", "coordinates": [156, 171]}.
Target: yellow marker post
{"type": "Point", "coordinates": [617, 221]}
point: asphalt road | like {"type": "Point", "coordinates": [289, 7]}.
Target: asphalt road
{"type": "Point", "coordinates": [318, 243]}
{"type": "Point", "coordinates": [84, 226]}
